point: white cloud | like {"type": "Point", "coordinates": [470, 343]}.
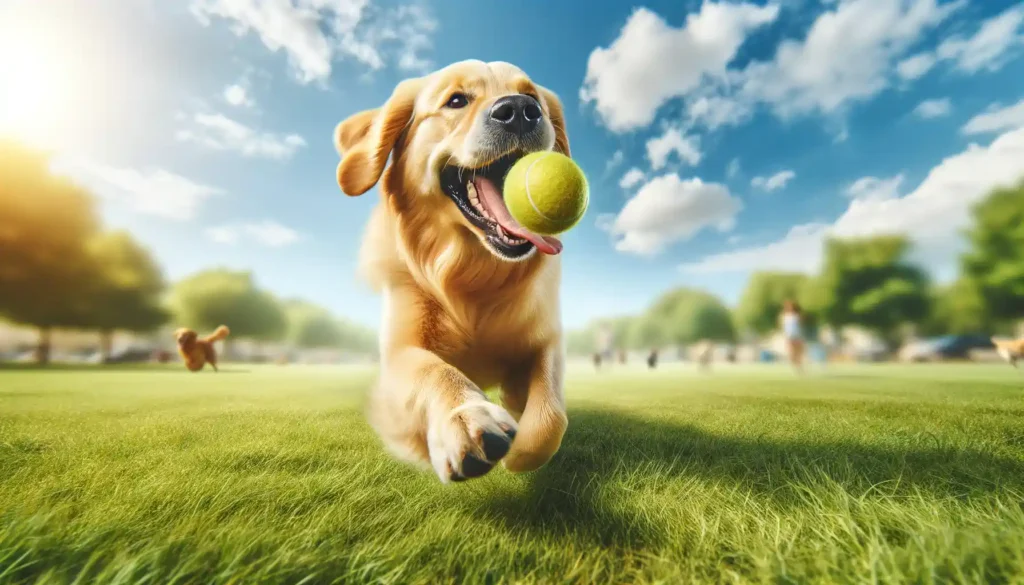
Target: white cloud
{"type": "Point", "coordinates": [667, 209]}
{"type": "Point", "coordinates": [853, 50]}
{"type": "Point", "coordinates": [226, 234]}
{"type": "Point", "coordinates": [651, 62]}
{"type": "Point", "coordinates": [774, 182]}
{"type": "Point", "coordinates": [996, 119]}
{"type": "Point", "coordinates": [315, 33]}
{"type": "Point", "coordinates": [915, 66]}
{"type": "Point", "coordinates": [416, 26]}
{"type": "Point", "coordinates": [673, 140]}
{"type": "Point", "coordinates": [991, 47]}
{"type": "Point", "coordinates": [237, 95]}
{"type": "Point", "coordinates": [268, 233]}
{"type": "Point", "coordinates": [847, 55]}
{"type": "Point", "coordinates": [613, 163]}
{"type": "Point", "coordinates": [932, 215]}
{"type": "Point", "coordinates": [149, 191]}
{"type": "Point", "coordinates": [733, 169]}
{"type": "Point", "coordinates": [798, 250]}
{"type": "Point", "coordinates": [875, 188]}
{"type": "Point", "coordinates": [935, 108]}
{"type": "Point", "coordinates": [218, 132]}
{"type": "Point", "coordinates": [713, 112]}
{"type": "Point", "coordinates": [632, 178]}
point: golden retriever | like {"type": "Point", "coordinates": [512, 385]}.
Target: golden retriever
{"type": "Point", "coordinates": [471, 298]}
{"type": "Point", "coordinates": [1011, 350]}
{"type": "Point", "coordinates": [198, 351]}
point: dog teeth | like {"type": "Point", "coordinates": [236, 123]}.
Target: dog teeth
{"type": "Point", "coordinates": [474, 199]}
{"type": "Point", "coordinates": [504, 237]}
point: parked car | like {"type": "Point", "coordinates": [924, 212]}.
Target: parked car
{"type": "Point", "coordinates": [948, 347]}
{"type": "Point", "coordinates": [871, 352]}
{"type": "Point", "coordinates": [919, 350]}
{"type": "Point", "coordinates": [131, 356]}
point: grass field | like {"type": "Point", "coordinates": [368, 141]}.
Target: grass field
{"type": "Point", "coordinates": [858, 474]}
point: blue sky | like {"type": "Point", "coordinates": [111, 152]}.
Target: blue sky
{"type": "Point", "coordinates": [719, 137]}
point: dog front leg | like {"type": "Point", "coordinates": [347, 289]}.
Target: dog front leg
{"type": "Point", "coordinates": [427, 411]}
{"type": "Point", "coordinates": [534, 394]}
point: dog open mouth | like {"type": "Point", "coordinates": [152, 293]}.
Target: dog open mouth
{"type": "Point", "coordinates": [478, 195]}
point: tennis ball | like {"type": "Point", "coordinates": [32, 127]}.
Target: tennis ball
{"type": "Point", "coordinates": [546, 192]}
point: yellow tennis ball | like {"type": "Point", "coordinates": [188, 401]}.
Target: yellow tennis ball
{"type": "Point", "coordinates": [546, 192]}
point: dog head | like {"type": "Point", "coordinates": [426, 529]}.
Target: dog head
{"type": "Point", "coordinates": [451, 137]}
{"type": "Point", "coordinates": [185, 337]}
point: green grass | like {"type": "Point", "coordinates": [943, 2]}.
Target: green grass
{"type": "Point", "coordinates": [270, 475]}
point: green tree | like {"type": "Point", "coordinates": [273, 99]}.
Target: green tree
{"type": "Point", "coordinates": [125, 295]}
{"type": "Point", "coordinates": [580, 341]}
{"type": "Point", "coordinates": [223, 297]}
{"type": "Point", "coordinates": [761, 303]}
{"type": "Point", "coordinates": [45, 222]}
{"type": "Point", "coordinates": [357, 338]}
{"type": "Point", "coordinates": [994, 262]}
{"type": "Point", "coordinates": [690, 315]}
{"type": "Point", "coordinates": [811, 297]}
{"type": "Point", "coordinates": [646, 332]}
{"type": "Point", "coordinates": [311, 326]}
{"type": "Point", "coordinates": [619, 327]}
{"type": "Point", "coordinates": [868, 282]}
{"type": "Point", "coordinates": [957, 309]}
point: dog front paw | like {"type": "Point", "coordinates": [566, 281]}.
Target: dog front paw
{"type": "Point", "coordinates": [539, 443]}
{"type": "Point", "coordinates": [469, 440]}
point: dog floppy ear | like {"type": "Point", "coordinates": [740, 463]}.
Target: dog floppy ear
{"type": "Point", "coordinates": [557, 116]}
{"type": "Point", "coordinates": [365, 140]}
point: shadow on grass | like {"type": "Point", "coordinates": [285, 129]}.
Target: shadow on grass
{"type": "Point", "coordinates": [587, 490]}
{"type": "Point", "coordinates": [125, 367]}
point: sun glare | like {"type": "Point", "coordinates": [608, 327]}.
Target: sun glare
{"type": "Point", "coordinates": [35, 94]}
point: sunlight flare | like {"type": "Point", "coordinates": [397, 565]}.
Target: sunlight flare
{"type": "Point", "coordinates": [38, 94]}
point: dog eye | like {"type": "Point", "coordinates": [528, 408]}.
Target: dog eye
{"type": "Point", "coordinates": [457, 100]}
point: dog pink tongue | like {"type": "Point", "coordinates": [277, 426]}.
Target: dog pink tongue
{"type": "Point", "coordinates": [491, 199]}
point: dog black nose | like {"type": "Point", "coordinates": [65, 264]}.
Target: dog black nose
{"type": "Point", "coordinates": [518, 114]}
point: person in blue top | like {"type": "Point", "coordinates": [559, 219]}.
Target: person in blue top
{"type": "Point", "coordinates": [791, 321]}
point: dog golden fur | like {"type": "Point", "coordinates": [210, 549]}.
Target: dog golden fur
{"type": "Point", "coordinates": [198, 351]}
{"type": "Point", "coordinates": [471, 299]}
{"type": "Point", "coordinates": [1010, 350]}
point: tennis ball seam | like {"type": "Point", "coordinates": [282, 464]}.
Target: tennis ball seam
{"type": "Point", "coordinates": [529, 196]}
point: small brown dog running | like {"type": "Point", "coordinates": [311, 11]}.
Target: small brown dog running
{"type": "Point", "coordinates": [196, 351]}
{"type": "Point", "coordinates": [1010, 350]}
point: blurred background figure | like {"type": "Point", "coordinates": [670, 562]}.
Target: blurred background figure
{"type": "Point", "coordinates": [652, 359]}
{"type": "Point", "coordinates": [792, 329]}
{"type": "Point", "coordinates": [597, 360]}
{"type": "Point", "coordinates": [704, 351]}
{"type": "Point", "coordinates": [605, 344]}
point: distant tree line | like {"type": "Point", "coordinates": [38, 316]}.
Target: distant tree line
{"type": "Point", "coordinates": [214, 297]}
{"type": "Point", "coordinates": [61, 269]}
{"type": "Point", "coordinates": [869, 282]}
